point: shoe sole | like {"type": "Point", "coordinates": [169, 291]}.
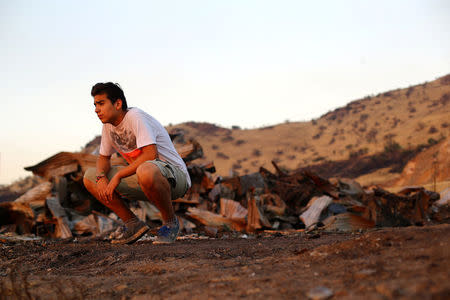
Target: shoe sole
{"type": "Point", "coordinates": [132, 238]}
{"type": "Point", "coordinates": [164, 240]}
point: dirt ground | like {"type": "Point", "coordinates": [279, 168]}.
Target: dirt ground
{"type": "Point", "coordinates": [388, 263]}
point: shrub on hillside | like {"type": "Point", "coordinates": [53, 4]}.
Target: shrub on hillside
{"type": "Point", "coordinates": [358, 153]}
{"type": "Point", "coordinates": [222, 155]}
{"type": "Point", "coordinates": [432, 141]}
{"type": "Point", "coordinates": [317, 136]}
{"type": "Point", "coordinates": [303, 149]}
{"type": "Point", "coordinates": [236, 166]}
{"type": "Point", "coordinates": [392, 146]}
{"type": "Point", "coordinates": [363, 117]}
{"type": "Point", "coordinates": [445, 99]}
{"type": "Point", "coordinates": [320, 158]}
{"type": "Point", "coordinates": [372, 135]}
{"type": "Point", "coordinates": [420, 126]}
{"type": "Point", "coordinates": [227, 138]}
{"type": "Point", "coordinates": [432, 130]}
{"type": "Point", "coordinates": [395, 121]}
{"type": "Point", "coordinates": [409, 91]}
{"type": "Point", "coordinates": [239, 142]}
{"type": "Point", "coordinates": [256, 152]}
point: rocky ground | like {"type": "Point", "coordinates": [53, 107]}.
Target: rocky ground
{"type": "Point", "coordinates": [388, 263]}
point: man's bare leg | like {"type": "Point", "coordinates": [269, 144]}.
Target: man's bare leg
{"type": "Point", "coordinates": [157, 189]}
{"type": "Point", "coordinates": [116, 205]}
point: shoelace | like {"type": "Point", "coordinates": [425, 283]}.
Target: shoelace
{"type": "Point", "coordinates": [120, 231]}
{"type": "Point", "coordinates": [164, 231]}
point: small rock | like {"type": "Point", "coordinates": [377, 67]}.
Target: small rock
{"type": "Point", "coordinates": [316, 253]}
{"type": "Point", "coordinates": [211, 231]}
{"type": "Point", "coordinates": [120, 287]}
{"type": "Point", "coordinates": [319, 293]}
{"type": "Point", "coordinates": [387, 290]}
{"type": "Point", "coordinates": [365, 273]}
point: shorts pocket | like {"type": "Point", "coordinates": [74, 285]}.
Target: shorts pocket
{"type": "Point", "coordinates": [170, 175]}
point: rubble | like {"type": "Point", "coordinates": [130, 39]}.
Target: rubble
{"type": "Point", "coordinates": [444, 198]}
{"type": "Point", "coordinates": [60, 206]}
{"type": "Point", "coordinates": [315, 206]}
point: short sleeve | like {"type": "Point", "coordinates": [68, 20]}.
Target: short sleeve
{"type": "Point", "coordinates": [145, 133]}
{"type": "Point", "coordinates": [106, 148]}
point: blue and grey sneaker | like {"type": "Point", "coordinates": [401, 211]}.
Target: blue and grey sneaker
{"type": "Point", "coordinates": [168, 233]}
{"type": "Point", "coordinates": [131, 232]}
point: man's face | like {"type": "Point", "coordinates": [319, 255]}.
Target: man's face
{"type": "Point", "coordinates": [106, 111]}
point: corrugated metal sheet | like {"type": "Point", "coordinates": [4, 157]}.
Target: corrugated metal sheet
{"type": "Point", "coordinates": [66, 158]}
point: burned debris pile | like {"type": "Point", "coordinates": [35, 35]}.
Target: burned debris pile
{"type": "Point", "coordinates": [60, 206]}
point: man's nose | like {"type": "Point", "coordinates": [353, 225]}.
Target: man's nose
{"type": "Point", "coordinates": [97, 110]}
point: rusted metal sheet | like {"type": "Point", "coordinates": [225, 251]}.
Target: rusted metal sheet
{"type": "Point", "coordinates": [58, 162]}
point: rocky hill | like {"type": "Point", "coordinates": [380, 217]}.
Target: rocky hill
{"type": "Point", "coordinates": [406, 118]}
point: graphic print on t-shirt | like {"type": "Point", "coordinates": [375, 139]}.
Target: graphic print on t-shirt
{"type": "Point", "coordinates": [125, 141]}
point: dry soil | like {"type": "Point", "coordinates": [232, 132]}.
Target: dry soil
{"type": "Point", "coordinates": [388, 263]}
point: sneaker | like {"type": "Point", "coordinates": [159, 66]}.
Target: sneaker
{"type": "Point", "coordinates": [168, 233]}
{"type": "Point", "coordinates": [131, 233]}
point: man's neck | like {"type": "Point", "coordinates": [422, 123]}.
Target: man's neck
{"type": "Point", "coordinates": [119, 118]}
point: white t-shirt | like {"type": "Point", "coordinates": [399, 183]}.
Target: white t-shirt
{"type": "Point", "coordinates": [139, 129]}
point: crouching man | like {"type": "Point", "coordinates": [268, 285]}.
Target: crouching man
{"type": "Point", "coordinates": [155, 171]}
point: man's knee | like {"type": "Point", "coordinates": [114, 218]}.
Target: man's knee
{"type": "Point", "coordinates": [89, 176]}
{"type": "Point", "coordinates": [148, 173]}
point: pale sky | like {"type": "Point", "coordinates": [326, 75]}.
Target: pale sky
{"type": "Point", "coordinates": [245, 63]}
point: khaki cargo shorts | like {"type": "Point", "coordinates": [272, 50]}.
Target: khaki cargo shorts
{"type": "Point", "coordinates": [129, 187]}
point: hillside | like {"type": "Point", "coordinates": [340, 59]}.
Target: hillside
{"type": "Point", "coordinates": [430, 166]}
{"type": "Point", "coordinates": [408, 117]}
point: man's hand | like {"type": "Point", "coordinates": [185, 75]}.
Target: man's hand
{"type": "Point", "coordinates": [111, 188]}
{"type": "Point", "coordinates": [102, 186]}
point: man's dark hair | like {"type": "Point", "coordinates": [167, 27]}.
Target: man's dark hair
{"type": "Point", "coordinates": [112, 91]}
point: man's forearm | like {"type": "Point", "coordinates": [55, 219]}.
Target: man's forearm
{"type": "Point", "coordinates": [103, 165]}
{"type": "Point", "coordinates": [148, 153]}
{"type": "Point", "coordinates": [131, 169]}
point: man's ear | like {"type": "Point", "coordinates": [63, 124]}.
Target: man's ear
{"type": "Point", "coordinates": [118, 104]}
